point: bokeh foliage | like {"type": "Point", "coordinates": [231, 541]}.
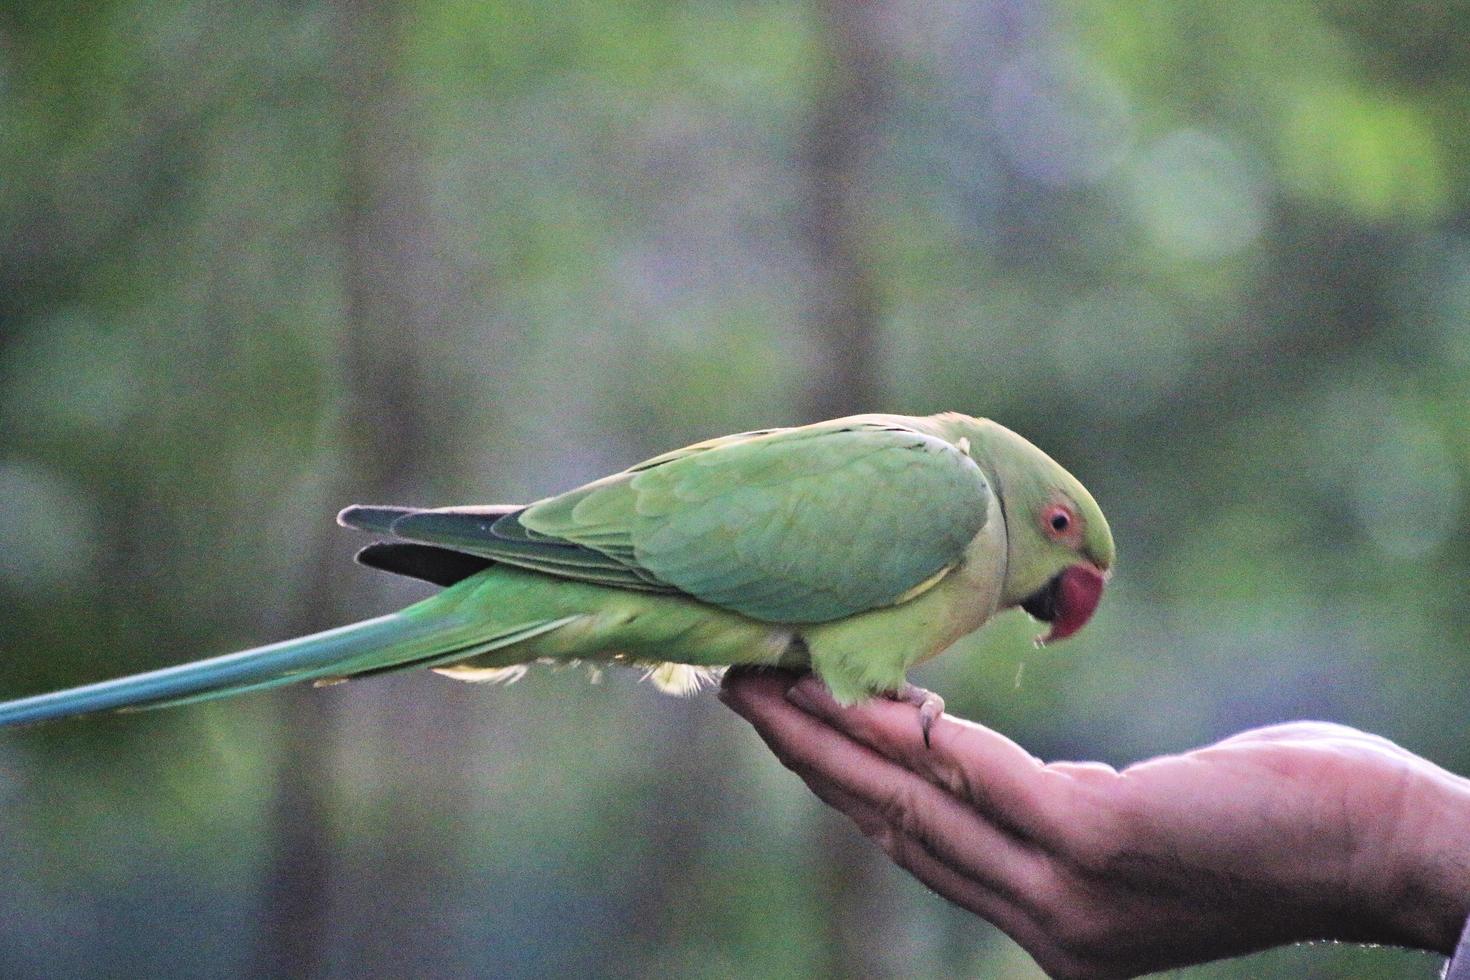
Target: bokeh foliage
{"type": "Point", "coordinates": [1213, 256]}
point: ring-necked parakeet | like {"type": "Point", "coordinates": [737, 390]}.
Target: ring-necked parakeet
{"type": "Point", "coordinates": [857, 547]}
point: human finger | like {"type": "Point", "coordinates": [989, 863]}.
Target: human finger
{"type": "Point", "coordinates": [869, 784]}
{"type": "Point", "coordinates": [1006, 782]}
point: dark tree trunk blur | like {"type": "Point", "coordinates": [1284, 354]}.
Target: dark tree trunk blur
{"type": "Point", "coordinates": [393, 300]}
{"type": "Point", "coordinates": [841, 319]}
{"type": "Point", "coordinates": [841, 308]}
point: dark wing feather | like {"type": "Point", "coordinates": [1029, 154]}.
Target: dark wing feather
{"type": "Point", "coordinates": [440, 566]}
{"type": "Point", "coordinates": [478, 532]}
{"type": "Point", "coordinates": [379, 518]}
{"type": "Point", "coordinates": [484, 535]}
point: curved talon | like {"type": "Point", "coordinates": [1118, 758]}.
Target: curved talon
{"type": "Point", "coordinates": [930, 706]}
{"type": "Point", "coordinates": [929, 712]}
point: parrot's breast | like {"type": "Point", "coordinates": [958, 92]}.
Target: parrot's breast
{"type": "Point", "coordinates": [966, 598]}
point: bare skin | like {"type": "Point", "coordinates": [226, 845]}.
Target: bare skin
{"type": "Point", "coordinates": [1282, 834]}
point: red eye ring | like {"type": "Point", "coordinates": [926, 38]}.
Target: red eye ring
{"type": "Point", "coordinates": [1058, 521]}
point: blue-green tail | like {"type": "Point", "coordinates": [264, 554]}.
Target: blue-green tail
{"type": "Point", "coordinates": [428, 634]}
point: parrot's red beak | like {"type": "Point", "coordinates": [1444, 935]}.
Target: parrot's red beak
{"type": "Point", "coordinates": [1067, 602]}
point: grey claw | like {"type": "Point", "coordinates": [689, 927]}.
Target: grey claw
{"type": "Point", "coordinates": [930, 706]}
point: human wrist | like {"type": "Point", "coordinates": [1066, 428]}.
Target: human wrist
{"type": "Point", "coordinates": [1432, 900]}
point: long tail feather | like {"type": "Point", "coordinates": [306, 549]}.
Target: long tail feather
{"type": "Point", "coordinates": [409, 638]}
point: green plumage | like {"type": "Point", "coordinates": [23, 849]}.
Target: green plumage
{"type": "Point", "coordinates": [857, 547]}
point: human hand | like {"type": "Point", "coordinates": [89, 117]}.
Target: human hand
{"type": "Point", "coordinates": [1281, 834]}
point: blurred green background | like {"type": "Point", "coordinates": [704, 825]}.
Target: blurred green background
{"type": "Point", "coordinates": [258, 261]}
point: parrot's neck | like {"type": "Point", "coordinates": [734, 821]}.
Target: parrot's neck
{"type": "Point", "coordinates": [1001, 455]}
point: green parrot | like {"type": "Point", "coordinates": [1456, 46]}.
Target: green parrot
{"type": "Point", "coordinates": [856, 548]}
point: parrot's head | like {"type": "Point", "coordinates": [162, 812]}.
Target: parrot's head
{"type": "Point", "coordinates": [1059, 547]}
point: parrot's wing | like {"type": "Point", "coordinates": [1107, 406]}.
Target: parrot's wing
{"type": "Point", "coordinates": [798, 525]}
{"type": "Point", "coordinates": [793, 525]}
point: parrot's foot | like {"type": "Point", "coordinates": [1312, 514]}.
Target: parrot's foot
{"type": "Point", "coordinates": [930, 706]}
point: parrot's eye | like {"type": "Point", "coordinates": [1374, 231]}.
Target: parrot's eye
{"type": "Point", "coordinates": [1059, 522]}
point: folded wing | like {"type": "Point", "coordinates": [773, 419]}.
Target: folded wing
{"type": "Point", "coordinates": [797, 525]}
